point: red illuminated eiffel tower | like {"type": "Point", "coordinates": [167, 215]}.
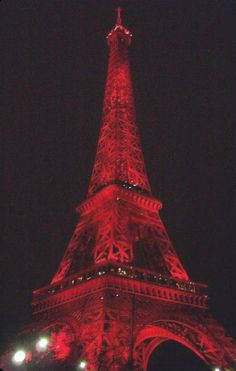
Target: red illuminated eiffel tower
{"type": "Point", "coordinates": [120, 289]}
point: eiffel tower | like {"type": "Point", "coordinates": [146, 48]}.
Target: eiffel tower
{"type": "Point", "coordinates": [120, 289]}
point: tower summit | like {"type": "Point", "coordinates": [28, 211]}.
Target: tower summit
{"type": "Point", "coordinates": [120, 289]}
{"type": "Point", "coordinates": [119, 158]}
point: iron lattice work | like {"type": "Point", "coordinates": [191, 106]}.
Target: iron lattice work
{"type": "Point", "coordinates": [119, 157]}
{"type": "Point", "coordinates": [120, 289]}
{"type": "Point", "coordinates": [120, 225]}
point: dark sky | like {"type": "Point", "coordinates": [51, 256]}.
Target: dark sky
{"type": "Point", "coordinates": [53, 63]}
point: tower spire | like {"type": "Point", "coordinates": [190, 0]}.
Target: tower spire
{"type": "Point", "coordinates": [118, 16]}
{"type": "Point", "coordinates": [119, 158]}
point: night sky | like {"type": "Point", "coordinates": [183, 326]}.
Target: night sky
{"type": "Point", "coordinates": [53, 63]}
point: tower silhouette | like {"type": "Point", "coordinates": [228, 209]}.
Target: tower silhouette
{"type": "Point", "coordinates": [120, 289]}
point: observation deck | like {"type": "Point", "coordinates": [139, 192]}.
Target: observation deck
{"type": "Point", "coordinates": [120, 278]}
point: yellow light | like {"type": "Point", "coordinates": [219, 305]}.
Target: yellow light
{"type": "Point", "coordinates": [19, 357]}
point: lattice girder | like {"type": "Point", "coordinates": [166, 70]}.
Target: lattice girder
{"type": "Point", "coordinates": [114, 329]}
{"type": "Point", "coordinates": [121, 226]}
{"type": "Point", "coordinates": [195, 329]}
{"type": "Point", "coordinates": [211, 349]}
{"type": "Point", "coordinates": [119, 155]}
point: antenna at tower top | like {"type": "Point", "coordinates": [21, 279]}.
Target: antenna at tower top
{"type": "Point", "coordinates": [118, 15]}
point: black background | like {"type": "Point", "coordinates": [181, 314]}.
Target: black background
{"type": "Point", "coordinates": [53, 63]}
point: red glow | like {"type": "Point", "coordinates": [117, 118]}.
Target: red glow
{"type": "Point", "coordinates": [123, 313]}
{"type": "Point", "coordinates": [120, 214]}
{"type": "Point", "coordinates": [120, 289]}
{"type": "Point", "coordinates": [60, 342]}
{"type": "Point", "coordinates": [28, 357]}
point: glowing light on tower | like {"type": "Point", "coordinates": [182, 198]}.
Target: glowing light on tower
{"type": "Point", "coordinates": [82, 365]}
{"type": "Point", "coordinates": [19, 357]}
{"type": "Point", "coordinates": [42, 344]}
